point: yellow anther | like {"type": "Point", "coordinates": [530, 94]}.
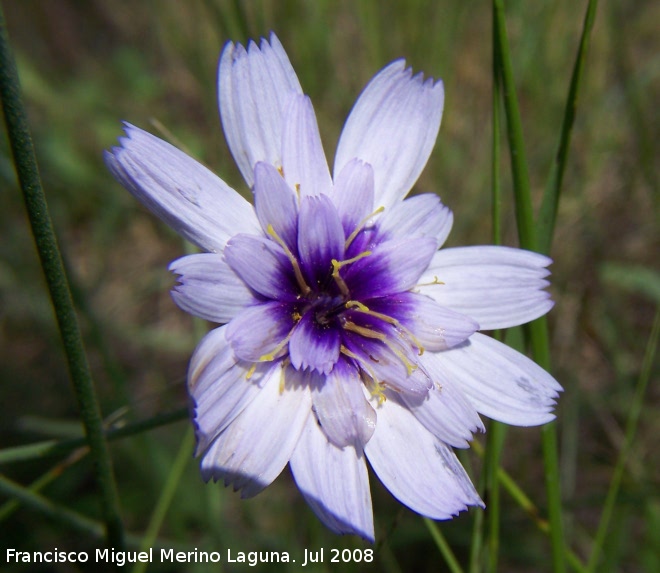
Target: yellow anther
{"type": "Point", "coordinates": [282, 380]}
{"type": "Point", "coordinates": [435, 281]}
{"type": "Point", "coordinates": [250, 372]}
{"type": "Point", "coordinates": [374, 334]}
{"type": "Point", "coordinates": [401, 330]}
{"type": "Point", "coordinates": [273, 355]}
{"type": "Point", "coordinates": [294, 263]}
{"type": "Point", "coordinates": [361, 226]}
{"type": "Point", "coordinates": [336, 265]}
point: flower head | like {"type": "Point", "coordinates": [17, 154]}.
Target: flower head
{"type": "Point", "coordinates": [347, 335]}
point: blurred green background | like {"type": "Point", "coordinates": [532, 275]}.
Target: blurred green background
{"type": "Point", "coordinates": [87, 65]}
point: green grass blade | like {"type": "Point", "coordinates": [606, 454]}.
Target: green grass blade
{"type": "Point", "coordinates": [496, 430]}
{"type": "Point", "coordinates": [631, 428]}
{"type": "Point", "coordinates": [166, 496]}
{"type": "Point", "coordinates": [54, 447]}
{"type": "Point", "coordinates": [519, 169]}
{"type": "Point", "coordinates": [42, 229]}
{"type": "Point", "coordinates": [56, 512]}
{"type": "Point", "coordinates": [548, 212]}
{"type": "Point", "coordinates": [443, 546]}
{"type": "Point", "coordinates": [537, 331]}
{"type": "Point", "coordinates": [8, 508]}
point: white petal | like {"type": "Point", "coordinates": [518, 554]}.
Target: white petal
{"type": "Point", "coordinates": [501, 383]}
{"type": "Point", "coordinates": [257, 445]}
{"type": "Point", "coordinates": [434, 326]}
{"type": "Point", "coordinates": [445, 411]}
{"type": "Point", "coordinates": [419, 216]}
{"type": "Point", "coordinates": [344, 413]}
{"type": "Point", "coordinates": [419, 470]}
{"type": "Point", "coordinates": [220, 386]}
{"type": "Point", "coordinates": [334, 482]}
{"type": "Point", "coordinates": [393, 126]}
{"type": "Point", "coordinates": [353, 194]}
{"type": "Point", "coordinates": [303, 160]}
{"type": "Point", "coordinates": [497, 286]}
{"type": "Point", "coordinates": [254, 88]}
{"type": "Point", "coordinates": [209, 288]}
{"type": "Point", "coordinates": [179, 190]}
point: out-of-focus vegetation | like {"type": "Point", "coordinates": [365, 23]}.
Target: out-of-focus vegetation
{"type": "Point", "coordinates": [86, 66]}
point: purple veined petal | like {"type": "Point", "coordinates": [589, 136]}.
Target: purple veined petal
{"type": "Point", "coordinates": [393, 126]}
{"type": "Point", "coordinates": [353, 194]}
{"type": "Point", "coordinates": [259, 332]}
{"type": "Point", "coordinates": [220, 386]}
{"type": "Point", "coordinates": [445, 411]}
{"type": "Point", "coordinates": [209, 288]}
{"type": "Point", "coordinates": [498, 286]}
{"type": "Point", "coordinates": [254, 88]}
{"type": "Point", "coordinates": [304, 162]}
{"type": "Point", "coordinates": [263, 266]}
{"type": "Point", "coordinates": [320, 238]}
{"type": "Point", "coordinates": [256, 446]}
{"type": "Point", "coordinates": [393, 364]}
{"type": "Point", "coordinates": [419, 216]}
{"type": "Point", "coordinates": [346, 417]}
{"type": "Point", "coordinates": [392, 267]}
{"type": "Point", "coordinates": [180, 191]}
{"type": "Point", "coordinates": [334, 482]}
{"type": "Point", "coordinates": [314, 346]}
{"type": "Point", "coordinates": [436, 327]}
{"type": "Point", "coordinates": [419, 470]}
{"type": "Point", "coordinates": [500, 382]}
{"type": "Point", "coordinates": [276, 204]}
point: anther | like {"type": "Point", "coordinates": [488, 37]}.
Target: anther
{"type": "Point", "coordinates": [294, 263]}
{"type": "Point", "coordinates": [402, 330]}
{"type": "Point", "coordinates": [361, 226]}
{"type": "Point", "coordinates": [336, 265]}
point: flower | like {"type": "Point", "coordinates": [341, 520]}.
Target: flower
{"type": "Point", "coordinates": [346, 334]}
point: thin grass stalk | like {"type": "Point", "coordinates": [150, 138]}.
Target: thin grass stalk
{"type": "Point", "coordinates": [51, 261]}
{"type": "Point", "coordinates": [528, 506]}
{"type": "Point", "coordinates": [443, 546]}
{"type": "Point", "coordinates": [548, 212]}
{"type": "Point", "coordinates": [49, 448]}
{"type": "Point", "coordinates": [8, 508]}
{"type": "Point", "coordinates": [496, 430]}
{"type": "Point", "coordinates": [69, 518]}
{"type": "Point", "coordinates": [166, 496]}
{"type": "Point", "coordinates": [631, 429]}
{"type": "Point", "coordinates": [537, 330]}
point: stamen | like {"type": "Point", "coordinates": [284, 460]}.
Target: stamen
{"type": "Point", "coordinates": [336, 265]}
{"type": "Point", "coordinates": [294, 263]}
{"type": "Point", "coordinates": [282, 379]}
{"type": "Point", "coordinates": [361, 226]}
{"type": "Point", "coordinates": [403, 331]}
{"type": "Point", "coordinates": [363, 363]}
{"type": "Point", "coordinates": [374, 334]}
{"type": "Point", "coordinates": [272, 355]}
{"type": "Point", "coordinates": [435, 281]}
{"type": "Point", "coordinates": [250, 372]}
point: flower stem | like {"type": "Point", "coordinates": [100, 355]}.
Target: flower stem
{"type": "Point", "coordinates": [51, 261]}
{"type": "Point", "coordinates": [537, 330]}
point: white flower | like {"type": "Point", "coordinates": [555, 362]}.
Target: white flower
{"type": "Point", "coordinates": [347, 335]}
